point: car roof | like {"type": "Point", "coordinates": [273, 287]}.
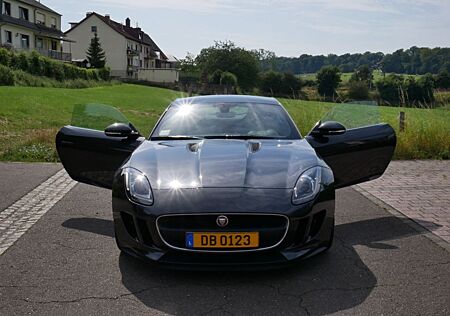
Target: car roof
{"type": "Point", "coordinates": [227, 98]}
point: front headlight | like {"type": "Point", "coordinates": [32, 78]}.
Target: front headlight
{"type": "Point", "coordinates": [138, 186]}
{"type": "Point", "coordinates": [307, 186]}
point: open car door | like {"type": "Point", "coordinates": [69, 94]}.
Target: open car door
{"type": "Point", "coordinates": [356, 154]}
{"type": "Point", "coordinates": [91, 154]}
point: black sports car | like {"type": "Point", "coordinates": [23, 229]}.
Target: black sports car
{"type": "Point", "coordinates": [225, 181]}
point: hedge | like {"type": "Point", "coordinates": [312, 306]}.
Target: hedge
{"type": "Point", "coordinates": [38, 65]}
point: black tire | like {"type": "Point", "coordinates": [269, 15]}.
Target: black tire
{"type": "Point", "coordinates": [117, 242]}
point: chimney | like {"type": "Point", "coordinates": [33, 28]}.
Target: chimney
{"type": "Point", "coordinates": [107, 17]}
{"type": "Point", "coordinates": [88, 13]}
{"type": "Point", "coordinates": [73, 24]}
{"type": "Point", "coordinates": [128, 22]}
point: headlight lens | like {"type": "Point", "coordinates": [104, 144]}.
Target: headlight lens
{"type": "Point", "coordinates": [138, 186]}
{"type": "Point", "coordinates": [307, 186]}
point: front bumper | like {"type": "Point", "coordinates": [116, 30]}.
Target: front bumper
{"type": "Point", "coordinates": [308, 231]}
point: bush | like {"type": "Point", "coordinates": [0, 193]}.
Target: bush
{"type": "Point", "coordinates": [5, 57]}
{"type": "Point", "coordinates": [58, 71]}
{"type": "Point", "coordinates": [104, 73]}
{"type": "Point", "coordinates": [33, 69]}
{"type": "Point", "coordinates": [22, 78]}
{"type": "Point", "coordinates": [396, 90]}
{"type": "Point", "coordinates": [22, 62]}
{"type": "Point", "coordinates": [358, 90]}
{"type": "Point", "coordinates": [6, 76]}
{"type": "Point", "coordinates": [36, 64]}
{"type": "Point", "coordinates": [291, 85]}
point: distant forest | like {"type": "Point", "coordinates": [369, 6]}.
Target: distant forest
{"type": "Point", "coordinates": [415, 60]}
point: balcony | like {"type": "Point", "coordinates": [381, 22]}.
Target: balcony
{"type": "Point", "coordinates": [55, 54]}
{"type": "Point", "coordinates": [132, 52]}
{"type": "Point", "coordinates": [133, 68]}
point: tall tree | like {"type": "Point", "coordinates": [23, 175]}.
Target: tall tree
{"type": "Point", "coordinates": [227, 57]}
{"type": "Point", "coordinates": [363, 74]}
{"type": "Point", "coordinates": [95, 53]}
{"type": "Point", "coordinates": [328, 79]}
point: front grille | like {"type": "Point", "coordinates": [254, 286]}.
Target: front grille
{"type": "Point", "coordinates": [272, 228]}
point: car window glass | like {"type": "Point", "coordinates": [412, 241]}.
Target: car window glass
{"type": "Point", "coordinates": [96, 116]}
{"type": "Point", "coordinates": [354, 114]}
{"type": "Point", "coordinates": [222, 119]}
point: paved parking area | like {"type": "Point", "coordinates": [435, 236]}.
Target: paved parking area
{"type": "Point", "coordinates": [67, 263]}
{"type": "Point", "coordinates": [418, 189]}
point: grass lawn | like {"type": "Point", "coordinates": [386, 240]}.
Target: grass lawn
{"type": "Point", "coordinates": [30, 118]}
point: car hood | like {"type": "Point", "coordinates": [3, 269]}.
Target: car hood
{"type": "Point", "coordinates": [223, 163]}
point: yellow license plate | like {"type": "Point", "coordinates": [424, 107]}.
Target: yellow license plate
{"type": "Point", "coordinates": [222, 240]}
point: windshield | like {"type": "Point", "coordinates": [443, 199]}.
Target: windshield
{"type": "Point", "coordinates": [226, 120]}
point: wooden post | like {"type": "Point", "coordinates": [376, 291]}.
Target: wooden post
{"type": "Point", "coordinates": [401, 121]}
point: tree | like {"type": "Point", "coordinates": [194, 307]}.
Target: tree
{"type": "Point", "coordinates": [278, 84]}
{"type": "Point", "coordinates": [188, 65]}
{"type": "Point", "coordinates": [363, 74]}
{"type": "Point", "coordinates": [266, 58]}
{"type": "Point", "coordinates": [227, 57]}
{"type": "Point", "coordinates": [443, 79]}
{"type": "Point", "coordinates": [328, 79]}
{"type": "Point", "coordinates": [95, 53]}
{"type": "Point", "coordinates": [215, 76]}
{"type": "Point", "coordinates": [227, 78]}
{"type": "Point", "coordinates": [270, 83]}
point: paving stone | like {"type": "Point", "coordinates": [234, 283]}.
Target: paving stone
{"type": "Point", "coordinates": [419, 190]}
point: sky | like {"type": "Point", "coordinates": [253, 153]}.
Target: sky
{"type": "Point", "coordinates": [287, 27]}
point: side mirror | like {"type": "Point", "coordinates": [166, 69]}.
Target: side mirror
{"type": "Point", "coordinates": [328, 128]}
{"type": "Point", "coordinates": [119, 130]}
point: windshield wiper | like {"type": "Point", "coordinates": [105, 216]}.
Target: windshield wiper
{"type": "Point", "coordinates": [176, 137]}
{"type": "Point", "coordinates": [239, 137]}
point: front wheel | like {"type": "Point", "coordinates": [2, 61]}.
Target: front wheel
{"type": "Point", "coordinates": [117, 242]}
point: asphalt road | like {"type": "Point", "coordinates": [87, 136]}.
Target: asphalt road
{"type": "Point", "coordinates": [68, 263]}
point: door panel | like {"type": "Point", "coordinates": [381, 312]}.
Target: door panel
{"type": "Point", "coordinates": [91, 157]}
{"type": "Point", "coordinates": [358, 155]}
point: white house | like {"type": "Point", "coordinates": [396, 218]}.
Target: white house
{"type": "Point", "coordinates": [30, 25]}
{"type": "Point", "coordinates": [130, 52]}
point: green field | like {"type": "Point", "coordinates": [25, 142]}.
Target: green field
{"type": "Point", "coordinates": [30, 118]}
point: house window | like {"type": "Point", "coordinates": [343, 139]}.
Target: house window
{"type": "Point", "coordinates": [40, 18]}
{"type": "Point", "coordinates": [53, 23]}
{"type": "Point", "coordinates": [8, 37]}
{"type": "Point", "coordinates": [25, 41]}
{"type": "Point", "coordinates": [7, 8]}
{"type": "Point", "coordinates": [23, 13]}
{"type": "Point", "coordinates": [39, 43]}
{"type": "Point", "coordinates": [140, 63]}
{"type": "Point", "coordinates": [54, 45]}
{"type": "Point", "coordinates": [94, 29]}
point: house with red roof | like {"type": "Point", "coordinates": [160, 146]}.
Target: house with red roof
{"type": "Point", "coordinates": [130, 52]}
